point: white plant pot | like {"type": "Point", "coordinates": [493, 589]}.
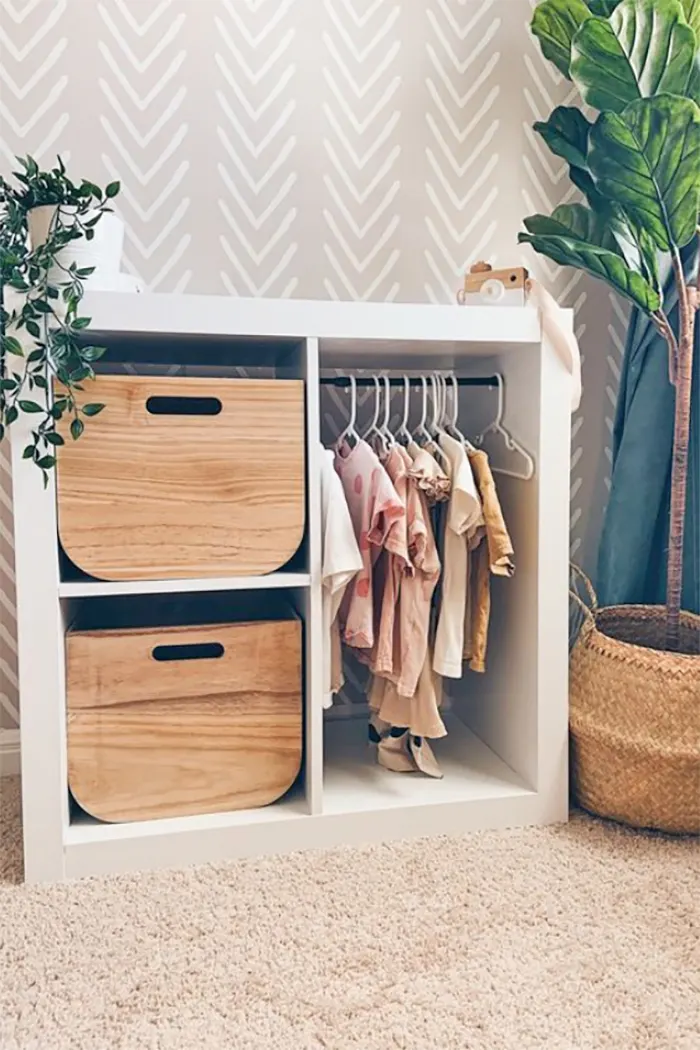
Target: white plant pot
{"type": "Point", "coordinates": [104, 251]}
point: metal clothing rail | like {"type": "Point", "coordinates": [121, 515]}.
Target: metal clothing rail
{"type": "Point", "coordinates": [361, 381]}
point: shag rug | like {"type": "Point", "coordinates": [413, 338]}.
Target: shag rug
{"type": "Point", "coordinates": [580, 937]}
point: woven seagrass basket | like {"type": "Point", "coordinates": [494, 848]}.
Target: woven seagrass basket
{"type": "Point", "coordinates": [635, 717]}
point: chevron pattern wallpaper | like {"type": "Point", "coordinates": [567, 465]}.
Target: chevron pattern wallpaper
{"type": "Point", "coordinates": [349, 149]}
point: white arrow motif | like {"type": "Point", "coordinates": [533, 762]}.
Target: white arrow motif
{"type": "Point", "coordinates": [460, 203]}
{"type": "Point", "coordinates": [462, 32]}
{"type": "Point", "coordinates": [257, 186]}
{"type": "Point", "coordinates": [372, 288]}
{"type": "Point", "coordinates": [46, 66]}
{"type": "Point", "coordinates": [361, 126]}
{"type": "Point", "coordinates": [141, 66]}
{"type": "Point", "coordinates": [142, 104]}
{"type": "Point", "coordinates": [362, 231]}
{"type": "Point", "coordinates": [258, 257]}
{"type": "Point", "coordinates": [255, 114]}
{"type": "Point", "coordinates": [146, 214]}
{"type": "Point", "coordinates": [360, 90]}
{"type": "Point", "coordinates": [462, 100]}
{"type": "Point", "coordinates": [16, 15]}
{"type": "Point", "coordinates": [360, 20]}
{"type": "Point", "coordinates": [462, 135]}
{"type": "Point", "coordinates": [145, 177]}
{"type": "Point", "coordinates": [474, 155]}
{"type": "Point", "coordinates": [360, 54]}
{"type": "Point", "coordinates": [142, 140]}
{"type": "Point", "coordinates": [362, 196]}
{"type": "Point", "coordinates": [361, 160]}
{"type": "Point", "coordinates": [257, 221]}
{"type": "Point", "coordinates": [141, 28]}
{"type": "Point", "coordinates": [22, 130]}
{"type": "Point", "coordinates": [253, 41]}
{"type": "Point", "coordinates": [19, 54]}
{"type": "Point", "coordinates": [360, 265]}
{"type": "Point", "coordinates": [463, 65]}
{"type": "Point", "coordinates": [254, 76]}
{"type": "Point", "coordinates": [253, 149]}
{"type": "Point", "coordinates": [148, 251]}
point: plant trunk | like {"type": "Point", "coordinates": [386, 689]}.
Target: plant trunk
{"type": "Point", "coordinates": [679, 470]}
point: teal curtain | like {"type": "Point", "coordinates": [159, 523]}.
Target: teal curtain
{"type": "Point", "coordinates": [634, 542]}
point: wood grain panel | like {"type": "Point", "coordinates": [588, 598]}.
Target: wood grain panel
{"type": "Point", "coordinates": [151, 739]}
{"type": "Point", "coordinates": [144, 496]}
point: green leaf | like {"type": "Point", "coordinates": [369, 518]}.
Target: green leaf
{"type": "Point", "coordinates": [30, 406]}
{"type": "Point", "coordinates": [93, 353]}
{"type": "Point", "coordinates": [36, 355]}
{"type": "Point", "coordinates": [28, 451]}
{"type": "Point", "coordinates": [8, 384]}
{"type": "Point", "coordinates": [575, 221]}
{"type": "Point", "coordinates": [112, 189]}
{"type": "Point", "coordinates": [92, 410]}
{"type": "Point", "coordinates": [644, 49]}
{"type": "Point", "coordinates": [647, 160]}
{"type": "Point", "coordinates": [555, 23]}
{"type": "Point", "coordinates": [53, 438]}
{"type": "Point", "coordinates": [691, 10]}
{"type": "Point", "coordinates": [46, 462]}
{"type": "Point", "coordinates": [12, 345]}
{"type": "Point", "coordinates": [2, 431]}
{"type": "Point", "coordinates": [566, 133]}
{"type": "Point", "coordinates": [602, 7]}
{"type": "Point", "coordinates": [40, 381]}
{"type": "Point", "coordinates": [11, 415]}
{"type": "Point", "coordinates": [81, 322]}
{"type": "Point", "coordinates": [599, 262]}
{"type": "Point", "coordinates": [33, 329]}
{"type": "Point", "coordinates": [76, 428]}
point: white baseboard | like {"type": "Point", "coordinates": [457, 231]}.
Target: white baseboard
{"type": "Point", "coordinates": [9, 752]}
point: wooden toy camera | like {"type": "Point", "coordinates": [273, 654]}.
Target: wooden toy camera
{"type": "Point", "coordinates": [484, 286]}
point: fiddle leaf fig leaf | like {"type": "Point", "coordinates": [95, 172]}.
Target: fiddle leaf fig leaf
{"type": "Point", "coordinates": [602, 7]}
{"type": "Point", "coordinates": [566, 133]}
{"type": "Point", "coordinates": [575, 221]}
{"type": "Point", "coordinates": [691, 9]}
{"type": "Point", "coordinates": [599, 262]}
{"type": "Point", "coordinates": [555, 23]}
{"type": "Point", "coordinates": [647, 161]}
{"type": "Point", "coordinates": [646, 48]}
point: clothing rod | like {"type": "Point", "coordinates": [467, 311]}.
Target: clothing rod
{"type": "Point", "coordinates": [360, 381]}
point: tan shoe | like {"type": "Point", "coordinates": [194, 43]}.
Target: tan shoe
{"type": "Point", "coordinates": [393, 753]}
{"type": "Point", "coordinates": [424, 757]}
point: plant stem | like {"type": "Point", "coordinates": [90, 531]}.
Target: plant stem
{"type": "Point", "coordinates": [679, 467]}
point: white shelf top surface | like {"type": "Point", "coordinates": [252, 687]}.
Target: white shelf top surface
{"type": "Point", "coordinates": [336, 322]}
{"type": "Point", "coordinates": [98, 588]}
{"type": "Point", "coordinates": [354, 782]}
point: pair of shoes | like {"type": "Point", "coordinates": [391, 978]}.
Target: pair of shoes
{"type": "Point", "coordinates": [401, 752]}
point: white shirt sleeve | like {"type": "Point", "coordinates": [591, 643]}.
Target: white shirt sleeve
{"type": "Point", "coordinates": [341, 558]}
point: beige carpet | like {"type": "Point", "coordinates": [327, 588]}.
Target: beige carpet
{"type": "Point", "coordinates": [583, 937]}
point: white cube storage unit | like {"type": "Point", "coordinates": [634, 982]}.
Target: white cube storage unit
{"type": "Point", "coordinates": [505, 758]}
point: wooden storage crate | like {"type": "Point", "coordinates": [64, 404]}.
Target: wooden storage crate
{"type": "Point", "coordinates": [178, 721]}
{"type": "Point", "coordinates": [184, 477]}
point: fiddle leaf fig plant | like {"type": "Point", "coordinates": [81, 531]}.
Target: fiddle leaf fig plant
{"type": "Point", "coordinates": [634, 155]}
{"type": "Point", "coordinates": [42, 333]}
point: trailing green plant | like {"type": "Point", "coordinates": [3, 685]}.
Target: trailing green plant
{"type": "Point", "coordinates": [42, 338]}
{"type": "Point", "coordinates": [637, 165]}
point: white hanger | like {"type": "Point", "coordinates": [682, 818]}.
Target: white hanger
{"type": "Point", "coordinates": [350, 431]}
{"type": "Point", "coordinates": [421, 432]}
{"type": "Point", "coordinates": [374, 430]}
{"type": "Point", "coordinates": [385, 429]}
{"type": "Point", "coordinates": [451, 418]}
{"type": "Point", "coordinates": [498, 430]}
{"type": "Point", "coordinates": [403, 434]}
